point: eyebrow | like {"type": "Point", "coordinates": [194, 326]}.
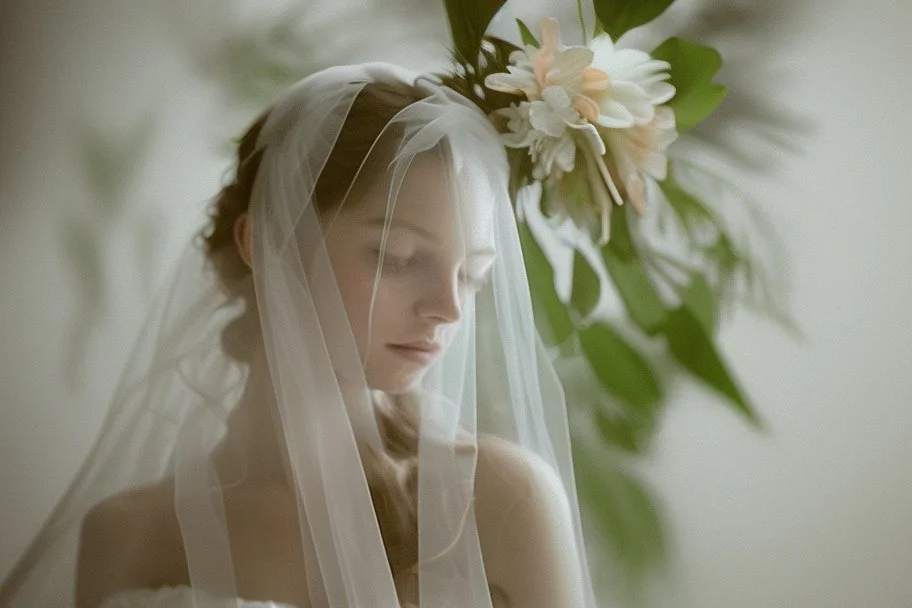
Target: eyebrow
{"type": "Point", "coordinates": [397, 223]}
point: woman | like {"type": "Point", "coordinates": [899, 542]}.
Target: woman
{"type": "Point", "coordinates": [345, 402]}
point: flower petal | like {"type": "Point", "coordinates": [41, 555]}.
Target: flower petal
{"type": "Point", "coordinates": [644, 66]}
{"type": "Point", "coordinates": [568, 66]}
{"type": "Point", "coordinates": [615, 115]}
{"type": "Point", "coordinates": [565, 154]}
{"type": "Point", "coordinates": [519, 140]}
{"type": "Point", "coordinates": [593, 138]}
{"type": "Point", "coordinates": [660, 92]}
{"type": "Point", "coordinates": [587, 108]}
{"type": "Point", "coordinates": [634, 100]}
{"type": "Point", "coordinates": [602, 47]}
{"type": "Point", "coordinates": [522, 58]}
{"type": "Point", "coordinates": [544, 119]}
{"type": "Point", "coordinates": [550, 32]}
{"type": "Point", "coordinates": [556, 97]}
{"type": "Point", "coordinates": [665, 120]}
{"type": "Point", "coordinates": [594, 79]}
{"type": "Point", "coordinates": [514, 82]}
{"type": "Point", "coordinates": [623, 64]}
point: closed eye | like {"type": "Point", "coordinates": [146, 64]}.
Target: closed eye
{"type": "Point", "coordinates": [391, 262]}
{"type": "Point", "coordinates": [399, 264]}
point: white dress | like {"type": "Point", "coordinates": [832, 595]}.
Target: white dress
{"type": "Point", "coordinates": [170, 597]}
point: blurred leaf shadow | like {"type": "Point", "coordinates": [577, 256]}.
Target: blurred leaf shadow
{"type": "Point", "coordinates": [254, 57]}
{"type": "Point", "coordinates": [109, 160]}
{"type": "Point", "coordinates": [748, 34]}
{"type": "Point", "coordinates": [752, 133]}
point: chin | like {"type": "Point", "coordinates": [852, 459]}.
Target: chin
{"type": "Point", "coordinates": [394, 383]}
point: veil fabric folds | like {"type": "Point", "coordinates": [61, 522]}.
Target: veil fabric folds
{"type": "Point", "coordinates": [190, 417]}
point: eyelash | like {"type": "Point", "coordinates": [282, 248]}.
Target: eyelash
{"type": "Point", "coordinates": [397, 264]}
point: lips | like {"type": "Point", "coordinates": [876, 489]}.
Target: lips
{"type": "Point", "coordinates": [419, 352]}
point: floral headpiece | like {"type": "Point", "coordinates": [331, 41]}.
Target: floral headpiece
{"type": "Point", "coordinates": [588, 129]}
{"type": "Point", "coordinates": [602, 102]}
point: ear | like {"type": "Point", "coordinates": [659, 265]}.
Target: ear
{"type": "Point", "coordinates": [242, 236]}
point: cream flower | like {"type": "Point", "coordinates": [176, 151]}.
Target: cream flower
{"type": "Point", "coordinates": [639, 152]}
{"type": "Point", "coordinates": [596, 100]}
{"type": "Point", "coordinates": [520, 132]}
{"type": "Point", "coordinates": [549, 127]}
{"type": "Point", "coordinates": [545, 148]}
{"type": "Point", "coordinates": [554, 64]}
{"type": "Point", "coordinates": [633, 86]}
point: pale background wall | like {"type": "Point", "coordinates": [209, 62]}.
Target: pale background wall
{"type": "Point", "coordinates": [815, 513]}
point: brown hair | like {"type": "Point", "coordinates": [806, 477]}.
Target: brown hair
{"type": "Point", "coordinates": [391, 474]}
{"type": "Point", "coordinates": [373, 108]}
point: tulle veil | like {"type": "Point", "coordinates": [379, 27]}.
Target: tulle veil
{"type": "Point", "coordinates": [174, 417]}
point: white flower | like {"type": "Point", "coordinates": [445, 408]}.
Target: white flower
{"type": "Point", "coordinates": [639, 152]}
{"type": "Point", "coordinates": [549, 128]}
{"type": "Point", "coordinates": [633, 84]}
{"type": "Point", "coordinates": [534, 70]}
{"type": "Point", "coordinates": [521, 134]}
{"type": "Point", "coordinates": [597, 99]}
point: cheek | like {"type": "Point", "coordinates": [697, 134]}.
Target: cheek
{"type": "Point", "coordinates": [356, 285]}
{"type": "Point", "coordinates": [391, 306]}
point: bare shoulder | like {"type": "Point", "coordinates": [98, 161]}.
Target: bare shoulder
{"type": "Point", "coordinates": [129, 540]}
{"type": "Point", "coordinates": [507, 471]}
{"type": "Point", "coordinates": [525, 527]}
{"type": "Point", "coordinates": [133, 540]}
{"type": "Point", "coordinates": [142, 504]}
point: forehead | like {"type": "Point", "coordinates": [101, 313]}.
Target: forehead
{"type": "Point", "coordinates": [434, 196]}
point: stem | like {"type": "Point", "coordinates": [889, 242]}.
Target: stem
{"type": "Point", "coordinates": [579, 9]}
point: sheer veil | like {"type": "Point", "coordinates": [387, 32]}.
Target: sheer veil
{"type": "Point", "coordinates": [186, 414]}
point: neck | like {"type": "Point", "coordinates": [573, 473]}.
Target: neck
{"type": "Point", "coordinates": [253, 448]}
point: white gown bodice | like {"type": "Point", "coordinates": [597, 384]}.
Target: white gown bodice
{"type": "Point", "coordinates": [171, 597]}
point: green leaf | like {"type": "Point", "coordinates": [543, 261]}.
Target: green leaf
{"type": "Point", "coordinates": [620, 425]}
{"type": "Point", "coordinates": [616, 17]}
{"type": "Point", "coordinates": [700, 300]}
{"type": "Point", "coordinates": [551, 316]}
{"type": "Point", "coordinates": [469, 81]}
{"type": "Point", "coordinates": [520, 171]}
{"type": "Point", "coordinates": [527, 37]}
{"type": "Point", "coordinates": [620, 242]}
{"type": "Point", "coordinates": [619, 367]}
{"type": "Point", "coordinates": [634, 286]}
{"type": "Point", "coordinates": [692, 69]}
{"type": "Point", "coordinates": [691, 346]}
{"type": "Point", "coordinates": [586, 290]}
{"type": "Point", "coordinates": [630, 429]}
{"type": "Point", "coordinates": [572, 195]}
{"type": "Point", "coordinates": [469, 20]}
{"type": "Point", "coordinates": [636, 290]}
{"type": "Point", "coordinates": [622, 511]}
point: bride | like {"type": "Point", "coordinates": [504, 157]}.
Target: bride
{"type": "Point", "coordinates": [341, 400]}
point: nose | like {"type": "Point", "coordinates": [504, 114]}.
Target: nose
{"type": "Point", "coordinates": [440, 300]}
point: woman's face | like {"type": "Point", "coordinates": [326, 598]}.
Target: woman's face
{"type": "Point", "coordinates": [437, 254]}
